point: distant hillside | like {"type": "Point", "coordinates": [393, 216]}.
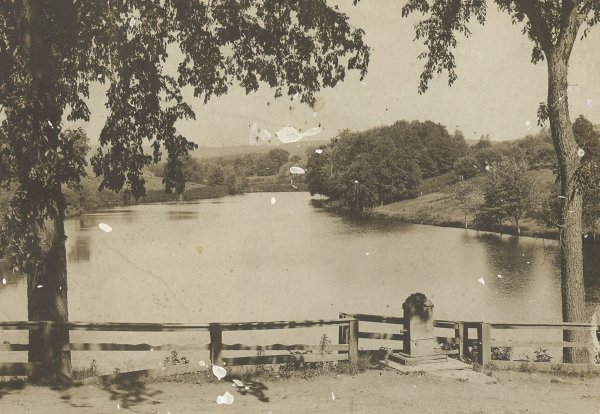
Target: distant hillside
{"type": "Point", "coordinates": [294, 148]}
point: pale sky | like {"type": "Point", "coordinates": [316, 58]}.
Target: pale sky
{"type": "Point", "coordinates": [497, 92]}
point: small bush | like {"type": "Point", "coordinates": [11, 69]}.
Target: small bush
{"type": "Point", "coordinates": [541, 355]}
{"type": "Point", "coordinates": [82, 373]}
{"type": "Point", "coordinates": [174, 359]}
{"type": "Point", "coordinates": [501, 353]}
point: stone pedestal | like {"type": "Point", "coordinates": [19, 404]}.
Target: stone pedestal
{"type": "Point", "coordinates": [419, 338]}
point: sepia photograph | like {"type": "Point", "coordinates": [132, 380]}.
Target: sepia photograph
{"type": "Point", "coordinates": [299, 206]}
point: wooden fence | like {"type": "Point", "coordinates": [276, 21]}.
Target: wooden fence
{"type": "Point", "coordinates": [216, 346]}
{"type": "Point", "coordinates": [456, 340]}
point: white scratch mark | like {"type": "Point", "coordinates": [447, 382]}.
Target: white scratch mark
{"type": "Point", "coordinates": [264, 135]}
{"type": "Point", "coordinates": [487, 168]}
{"type": "Point", "coordinates": [39, 286]}
{"type": "Point", "coordinates": [118, 406]}
{"type": "Point", "coordinates": [4, 281]}
{"type": "Point", "coordinates": [99, 76]}
{"type": "Point", "coordinates": [355, 181]}
{"type": "Point", "coordinates": [562, 197]}
{"type": "Point", "coordinates": [202, 363]}
{"type": "Point", "coordinates": [367, 253]}
{"type": "Point", "coordinates": [219, 372]}
{"type": "Point", "coordinates": [238, 383]}
{"type": "Point", "coordinates": [332, 396]}
{"type": "Point", "coordinates": [312, 131]}
{"type": "Point", "coordinates": [580, 152]}
{"type": "Point", "coordinates": [288, 134]}
{"type": "Point", "coordinates": [319, 151]}
{"type": "Point", "coordinates": [297, 170]}
{"type": "Point", "coordinates": [226, 398]}
{"type": "Point", "coordinates": [105, 227]}
{"type": "Point", "coordinates": [528, 124]}
{"type": "Point", "coordinates": [253, 137]}
{"type": "Point", "coordinates": [273, 201]}
{"type": "Point", "coordinates": [499, 276]}
{"type": "Point", "coordinates": [480, 280]}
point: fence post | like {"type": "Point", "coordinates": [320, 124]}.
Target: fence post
{"type": "Point", "coordinates": [485, 337]}
{"type": "Point", "coordinates": [216, 343]}
{"type": "Point", "coordinates": [342, 333]}
{"type": "Point", "coordinates": [41, 346]}
{"type": "Point", "coordinates": [464, 339]}
{"type": "Point", "coordinates": [353, 342]}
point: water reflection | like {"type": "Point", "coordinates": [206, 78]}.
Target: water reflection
{"type": "Point", "coordinates": [372, 225]}
{"type": "Point", "coordinates": [80, 249]}
{"type": "Point", "coordinates": [182, 215]}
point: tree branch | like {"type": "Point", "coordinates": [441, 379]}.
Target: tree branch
{"type": "Point", "coordinates": [539, 29]}
{"type": "Point", "coordinates": [571, 20]}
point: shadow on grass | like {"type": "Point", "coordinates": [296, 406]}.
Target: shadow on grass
{"type": "Point", "coordinates": [256, 389]}
{"type": "Point", "coordinates": [125, 392]}
{"type": "Point", "coordinates": [130, 392]}
{"type": "Point", "coordinates": [11, 387]}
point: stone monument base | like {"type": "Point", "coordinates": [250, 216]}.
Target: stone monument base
{"type": "Point", "coordinates": [406, 359]}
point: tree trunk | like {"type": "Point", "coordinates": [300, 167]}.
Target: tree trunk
{"type": "Point", "coordinates": [47, 301]}
{"type": "Point", "coordinates": [466, 223]}
{"type": "Point", "coordinates": [42, 45]}
{"type": "Point", "coordinates": [571, 255]}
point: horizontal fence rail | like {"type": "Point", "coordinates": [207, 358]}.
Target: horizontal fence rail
{"type": "Point", "coordinates": [296, 352]}
{"type": "Point", "coordinates": [456, 343]}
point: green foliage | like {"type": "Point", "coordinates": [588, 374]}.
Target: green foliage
{"type": "Point", "coordinates": [541, 355]}
{"type": "Point", "coordinates": [319, 170]}
{"type": "Point", "coordinates": [466, 167]}
{"type": "Point", "coordinates": [216, 176]}
{"type": "Point", "coordinates": [51, 52]}
{"type": "Point", "coordinates": [464, 196]}
{"type": "Point", "coordinates": [502, 353]}
{"type": "Point", "coordinates": [508, 193]}
{"type": "Point", "coordinates": [380, 166]}
{"type": "Point", "coordinates": [175, 359]}
{"type": "Point", "coordinates": [545, 24]}
{"type": "Point", "coordinates": [87, 372]}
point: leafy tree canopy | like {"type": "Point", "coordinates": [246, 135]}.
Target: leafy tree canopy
{"type": "Point", "coordinates": [51, 51]}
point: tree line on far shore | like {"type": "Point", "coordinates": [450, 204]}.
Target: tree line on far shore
{"type": "Point", "coordinates": [359, 170]}
{"type": "Point", "coordinates": [510, 193]}
{"type": "Point", "coordinates": [234, 171]}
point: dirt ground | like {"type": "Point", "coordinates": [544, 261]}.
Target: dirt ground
{"type": "Point", "coordinates": [374, 391]}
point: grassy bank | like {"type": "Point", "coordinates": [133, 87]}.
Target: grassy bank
{"type": "Point", "coordinates": [437, 206]}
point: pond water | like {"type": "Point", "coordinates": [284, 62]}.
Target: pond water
{"type": "Point", "coordinates": [245, 258]}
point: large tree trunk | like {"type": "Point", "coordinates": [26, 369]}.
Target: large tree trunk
{"type": "Point", "coordinates": [42, 46]}
{"type": "Point", "coordinates": [571, 254]}
{"type": "Point", "coordinates": [47, 301]}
